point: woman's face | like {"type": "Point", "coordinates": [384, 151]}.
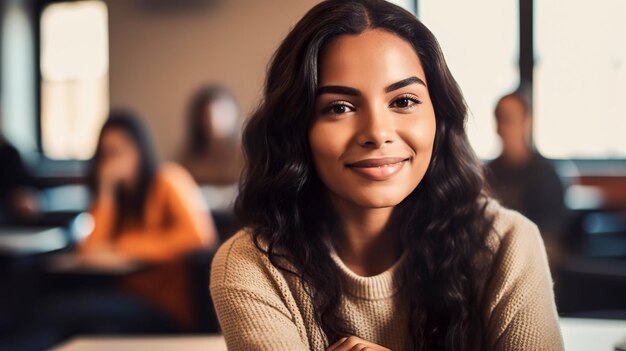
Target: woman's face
{"type": "Point", "coordinates": [373, 125]}
{"type": "Point", "coordinates": [221, 117]}
{"type": "Point", "coordinates": [513, 123]}
{"type": "Point", "coordinates": [121, 156]}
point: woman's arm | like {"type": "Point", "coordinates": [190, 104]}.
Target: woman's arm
{"type": "Point", "coordinates": [103, 211]}
{"type": "Point", "coordinates": [249, 297]}
{"type": "Point", "coordinates": [191, 224]}
{"type": "Point", "coordinates": [103, 216]}
{"type": "Point", "coordinates": [521, 310]}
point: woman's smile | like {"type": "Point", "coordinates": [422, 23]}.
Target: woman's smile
{"type": "Point", "coordinates": [378, 169]}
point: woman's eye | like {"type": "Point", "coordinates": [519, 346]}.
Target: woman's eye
{"type": "Point", "coordinates": [340, 109]}
{"type": "Point", "coordinates": [405, 102]}
{"type": "Point", "coordinates": [337, 109]}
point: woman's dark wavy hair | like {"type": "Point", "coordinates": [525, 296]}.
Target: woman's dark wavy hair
{"type": "Point", "coordinates": [129, 205]}
{"type": "Point", "coordinates": [281, 197]}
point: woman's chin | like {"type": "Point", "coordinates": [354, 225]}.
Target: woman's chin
{"type": "Point", "coordinates": [377, 200]}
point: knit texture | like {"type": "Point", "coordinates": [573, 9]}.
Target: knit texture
{"type": "Point", "coordinates": [263, 308]}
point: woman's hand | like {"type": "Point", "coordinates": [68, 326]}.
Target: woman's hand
{"type": "Point", "coordinates": [26, 203]}
{"type": "Point", "coordinates": [353, 343]}
{"type": "Point", "coordinates": [109, 177]}
{"type": "Point", "coordinates": [103, 257]}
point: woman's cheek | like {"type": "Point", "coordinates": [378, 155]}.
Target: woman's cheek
{"type": "Point", "coordinates": [420, 135]}
{"type": "Point", "coordinates": [328, 139]}
{"type": "Point", "coordinates": [327, 144]}
{"type": "Point", "coordinates": [320, 146]}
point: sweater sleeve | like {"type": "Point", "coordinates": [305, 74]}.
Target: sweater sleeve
{"type": "Point", "coordinates": [521, 310]}
{"type": "Point", "coordinates": [251, 304]}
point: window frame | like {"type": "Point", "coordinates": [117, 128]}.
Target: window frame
{"type": "Point", "coordinates": [49, 170]}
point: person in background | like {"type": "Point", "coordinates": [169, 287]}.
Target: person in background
{"type": "Point", "coordinates": [146, 212]}
{"type": "Point", "coordinates": [213, 151]}
{"type": "Point", "coordinates": [520, 177]}
{"type": "Point", "coordinates": [18, 200]}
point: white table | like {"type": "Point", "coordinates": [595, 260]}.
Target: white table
{"type": "Point", "coordinates": [579, 335]}
{"type": "Point", "coordinates": [146, 343]}
{"type": "Point", "coordinates": [592, 334]}
{"type": "Point", "coordinates": [16, 241]}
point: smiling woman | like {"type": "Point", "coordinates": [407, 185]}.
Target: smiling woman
{"type": "Point", "coordinates": [383, 123]}
{"type": "Point", "coordinates": [368, 223]}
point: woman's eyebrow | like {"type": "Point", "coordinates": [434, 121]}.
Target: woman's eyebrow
{"type": "Point", "coordinates": [343, 90]}
{"type": "Point", "coordinates": [403, 83]}
{"type": "Point", "coordinates": [337, 89]}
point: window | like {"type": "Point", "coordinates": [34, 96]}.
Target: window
{"type": "Point", "coordinates": [580, 79]}
{"type": "Point", "coordinates": [480, 42]}
{"type": "Point", "coordinates": [409, 5]}
{"type": "Point", "coordinates": [74, 66]}
{"type": "Point", "coordinates": [18, 115]}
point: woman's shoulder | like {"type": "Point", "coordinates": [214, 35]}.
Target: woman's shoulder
{"type": "Point", "coordinates": [239, 261]}
{"type": "Point", "coordinates": [519, 299]}
{"type": "Point", "coordinates": [241, 245]}
{"type": "Point", "coordinates": [510, 226]}
{"type": "Point", "coordinates": [173, 182]}
{"type": "Point", "coordinates": [517, 244]}
{"type": "Point", "coordinates": [171, 172]}
{"type": "Point", "coordinates": [172, 177]}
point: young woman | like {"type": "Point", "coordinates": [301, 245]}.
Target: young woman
{"type": "Point", "coordinates": [145, 212]}
{"type": "Point", "coordinates": [368, 226]}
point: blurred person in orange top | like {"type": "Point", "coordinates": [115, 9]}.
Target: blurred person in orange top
{"type": "Point", "coordinates": [146, 212]}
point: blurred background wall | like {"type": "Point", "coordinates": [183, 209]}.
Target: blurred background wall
{"type": "Point", "coordinates": [160, 55]}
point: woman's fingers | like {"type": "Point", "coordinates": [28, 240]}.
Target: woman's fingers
{"type": "Point", "coordinates": [353, 343]}
{"type": "Point", "coordinates": [334, 346]}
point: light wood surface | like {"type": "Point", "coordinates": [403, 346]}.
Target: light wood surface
{"type": "Point", "coordinates": [16, 241]}
{"type": "Point", "coordinates": [579, 335]}
{"type": "Point", "coordinates": [147, 343]}
{"type": "Point", "coordinates": [582, 334]}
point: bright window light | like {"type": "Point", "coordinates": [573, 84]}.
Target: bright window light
{"type": "Point", "coordinates": [480, 42]}
{"type": "Point", "coordinates": [408, 5]}
{"type": "Point", "coordinates": [18, 115]}
{"type": "Point", "coordinates": [74, 70]}
{"type": "Point", "coordinates": [580, 79]}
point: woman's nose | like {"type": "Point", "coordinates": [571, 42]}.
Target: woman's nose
{"type": "Point", "coordinates": [375, 129]}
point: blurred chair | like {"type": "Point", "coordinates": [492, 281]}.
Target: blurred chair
{"type": "Point", "coordinates": [205, 319]}
{"type": "Point", "coordinates": [199, 263]}
{"type": "Point", "coordinates": [226, 223]}
{"type": "Point", "coordinates": [591, 278]}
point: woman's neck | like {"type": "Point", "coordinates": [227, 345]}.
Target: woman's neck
{"type": "Point", "coordinates": [370, 241]}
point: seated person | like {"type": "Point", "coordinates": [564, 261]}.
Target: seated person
{"type": "Point", "coordinates": [520, 177]}
{"type": "Point", "coordinates": [18, 200]}
{"type": "Point", "coordinates": [212, 153]}
{"type": "Point", "coordinates": [145, 211]}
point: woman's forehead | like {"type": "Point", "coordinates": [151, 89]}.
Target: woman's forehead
{"type": "Point", "coordinates": [375, 56]}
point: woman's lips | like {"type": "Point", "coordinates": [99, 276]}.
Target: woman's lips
{"type": "Point", "coordinates": [378, 168]}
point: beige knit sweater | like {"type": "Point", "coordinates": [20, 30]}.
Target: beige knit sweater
{"type": "Point", "coordinates": [262, 308]}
